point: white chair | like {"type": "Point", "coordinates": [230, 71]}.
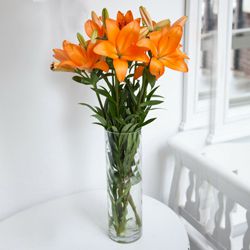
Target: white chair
{"type": "Point", "coordinates": [186, 200]}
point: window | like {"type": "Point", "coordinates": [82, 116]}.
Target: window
{"type": "Point", "coordinates": [199, 33]}
{"type": "Point", "coordinates": [218, 43]}
{"type": "Point", "coordinates": [230, 116]}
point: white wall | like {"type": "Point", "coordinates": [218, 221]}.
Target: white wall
{"type": "Point", "coordinates": [48, 146]}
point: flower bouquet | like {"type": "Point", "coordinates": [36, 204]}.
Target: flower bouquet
{"type": "Point", "coordinates": [121, 62]}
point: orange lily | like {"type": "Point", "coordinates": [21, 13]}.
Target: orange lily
{"type": "Point", "coordinates": [122, 20]}
{"type": "Point", "coordinates": [165, 48]}
{"type": "Point", "coordinates": [74, 56]}
{"type": "Point", "coordinates": [121, 46]}
{"type": "Point", "coordinates": [94, 24]}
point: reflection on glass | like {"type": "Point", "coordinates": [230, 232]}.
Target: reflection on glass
{"type": "Point", "coordinates": [208, 27]}
{"type": "Point", "coordinates": [239, 80]}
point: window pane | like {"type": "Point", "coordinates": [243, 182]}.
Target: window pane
{"type": "Point", "coordinates": [239, 78]}
{"type": "Point", "coordinates": [208, 27]}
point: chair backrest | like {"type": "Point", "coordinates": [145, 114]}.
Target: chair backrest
{"type": "Point", "coordinates": [230, 192]}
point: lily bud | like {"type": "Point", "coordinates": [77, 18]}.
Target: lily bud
{"type": "Point", "coordinates": [162, 24]}
{"type": "Point", "coordinates": [81, 40]}
{"type": "Point", "coordinates": [105, 15]}
{"type": "Point", "coordinates": [96, 19]}
{"type": "Point", "coordinates": [143, 32]}
{"type": "Point", "coordinates": [146, 18]}
{"type": "Point", "coordinates": [94, 36]}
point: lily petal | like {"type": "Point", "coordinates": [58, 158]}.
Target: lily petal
{"type": "Point", "coordinates": [155, 37]}
{"type": "Point", "coordinates": [121, 67]}
{"type": "Point", "coordinates": [90, 52]}
{"type": "Point", "coordinates": [96, 19]}
{"type": "Point", "coordinates": [180, 53]}
{"type": "Point", "coordinates": [106, 48]}
{"type": "Point", "coordinates": [129, 16]}
{"type": "Point", "coordinates": [90, 26]}
{"type": "Point", "coordinates": [175, 63]}
{"type": "Point", "coordinates": [181, 21]}
{"type": "Point", "coordinates": [102, 65]}
{"type": "Point", "coordinates": [60, 55]}
{"type": "Point", "coordinates": [135, 53]}
{"type": "Point", "coordinates": [112, 30]}
{"type": "Point", "coordinates": [147, 43]}
{"type": "Point", "coordinates": [138, 72]}
{"type": "Point", "coordinates": [75, 53]}
{"type": "Point", "coordinates": [156, 67]}
{"type": "Point", "coordinates": [67, 65]}
{"type": "Point", "coordinates": [170, 41]}
{"type": "Point", "coordinates": [55, 66]}
{"type": "Point", "coordinates": [163, 46]}
{"type": "Point", "coordinates": [128, 36]}
{"type": "Point", "coordinates": [120, 19]}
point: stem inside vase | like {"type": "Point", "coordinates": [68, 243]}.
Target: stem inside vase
{"type": "Point", "coordinates": [124, 185]}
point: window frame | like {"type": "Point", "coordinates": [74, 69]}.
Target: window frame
{"type": "Point", "coordinates": [194, 113]}
{"type": "Point", "coordinates": [226, 123]}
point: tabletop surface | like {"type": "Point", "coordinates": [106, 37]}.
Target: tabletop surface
{"type": "Point", "coordinates": [79, 222]}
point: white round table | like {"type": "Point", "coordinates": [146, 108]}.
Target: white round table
{"type": "Point", "coordinates": [79, 222]}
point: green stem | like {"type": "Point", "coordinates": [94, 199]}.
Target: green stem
{"type": "Point", "coordinates": [120, 186]}
{"type": "Point", "coordinates": [141, 91]}
{"type": "Point", "coordinates": [113, 78]}
{"type": "Point", "coordinates": [134, 73]}
{"type": "Point", "coordinates": [97, 95]}
{"type": "Point", "coordinates": [117, 96]}
{"type": "Point", "coordinates": [132, 204]}
{"type": "Point", "coordinates": [100, 101]}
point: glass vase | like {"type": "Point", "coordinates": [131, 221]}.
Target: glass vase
{"type": "Point", "coordinates": [123, 156]}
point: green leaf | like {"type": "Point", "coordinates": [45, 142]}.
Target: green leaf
{"type": "Point", "coordinates": [126, 128]}
{"type": "Point", "coordinates": [77, 79]}
{"type": "Point", "coordinates": [125, 193]}
{"type": "Point", "coordinates": [109, 61]}
{"type": "Point", "coordinates": [135, 179]}
{"type": "Point", "coordinates": [114, 129]}
{"type": "Point", "coordinates": [81, 79]}
{"type": "Point", "coordinates": [94, 77]}
{"type": "Point", "coordinates": [147, 122]}
{"type": "Point", "coordinates": [132, 116]}
{"type": "Point", "coordinates": [104, 93]}
{"type": "Point", "coordinates": [89, 106]}
{"type": "Point", "coordinates": [98, 123]}
{"type": "Point", "coordinates": [151, 103]}
{"type": "Point", "coordinates": [130, 75]}
{"type": "Point", "coordinates": [111, 109]}
{"type": "Point", "coordinates": [151, 93]}
{"type": "Point", "coordinates": [158, 96]}
{"type": "Point", "coordinates": [151, 79]}
{"type": "Point", "coordinates": [99, 111]}
{"type": "Point", "coordinates": [132, 95]}
{"type": "Point", "coordinates": [100, 119]}
{"type": "Point", "coordinates": [119, 120]}
{"type": "Point", "coordinates": [78, 71]}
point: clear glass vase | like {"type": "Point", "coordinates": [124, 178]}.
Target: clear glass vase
{"type": "Point", "coordinates": [123, 156]}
